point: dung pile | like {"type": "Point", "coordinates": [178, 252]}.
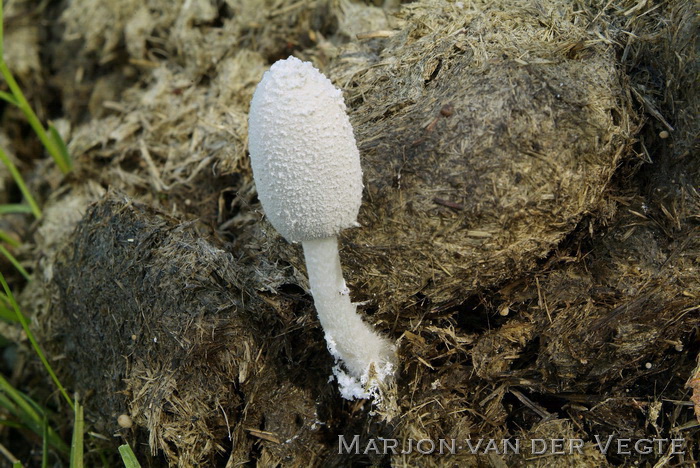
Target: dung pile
{"type": "Point", "coordinates": [535, 280]}
{"type": "Point", "coordinates": [486, 133]}
{"type": "Point", "coordinates": [157, 323]}
{"type": "Point", "coordinates": [143, 305]}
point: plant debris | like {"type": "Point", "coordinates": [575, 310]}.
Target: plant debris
{"type": "Point", "coordinates": [529, 229]}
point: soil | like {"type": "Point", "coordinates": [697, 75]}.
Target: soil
{"type": "Point", "coordinates": [529, 230]}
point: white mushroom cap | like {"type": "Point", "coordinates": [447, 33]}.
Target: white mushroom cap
{"type": "Point", "coordinates": [303, 153]}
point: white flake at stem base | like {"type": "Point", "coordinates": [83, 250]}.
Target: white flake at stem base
{"type": "Point", "coordinates": [367, 356]}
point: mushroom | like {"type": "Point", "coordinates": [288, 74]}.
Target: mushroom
{"type": "Point", "coordinates": [307, 173]}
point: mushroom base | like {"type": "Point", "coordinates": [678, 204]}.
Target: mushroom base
{"type": "Point", "coordinates": [349, 339]}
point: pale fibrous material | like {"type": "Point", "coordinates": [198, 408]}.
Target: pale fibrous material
{"type": "Point", "coordinates": [303, 152]}
{"type": "Point", "coordinates": [307, 173]}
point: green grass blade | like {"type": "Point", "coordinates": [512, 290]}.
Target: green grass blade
{"type": "Point", "coordinates": [23, 409]}
{"type": "Point", "coordinates": [32, 339]}
{"type": "Point", "coordinates": [15, 424]}
{"type": "Point", "coordinates": [7, 404]}
{"type": "Point", "coordinates": [5, 237]}
{"type": "Point", "coordinates": [33, 120]}
{"type": "Point", "coordinates": [30, 415]}
{"type": "Point", "coordinates": [38, 409]}
{"type": "Point", "coordinates": [9, 98]}
{"type": "Point", "coordinates": [15, 208]}
{"type": "Point", "coordinates": [14, 262]}
{"type": "Point", "coordinates": [128, 457]}
{"type": "Point", "coordinates": [7, 314]}
{"type": "Point", "coordinates": [17, 465]}
{"type": "Point", "coordinates": [61, 146]}
{"type": "Point", "coordinates": [45, 444]}
{"type": "Point", "coordinates": [17, 177]}
{"type": "Point", "coordinates": [52, 144]}
{"type": "Point", "coordinates": [76, 446]}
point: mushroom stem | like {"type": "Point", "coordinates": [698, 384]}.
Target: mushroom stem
{"type": "Point", "coordinates": [348, 337]}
